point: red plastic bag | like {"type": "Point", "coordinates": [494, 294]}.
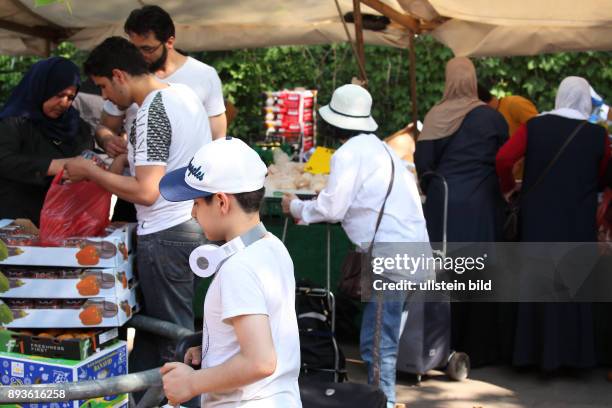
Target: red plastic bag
{"type": "Point", "coordinates": [73, 210]}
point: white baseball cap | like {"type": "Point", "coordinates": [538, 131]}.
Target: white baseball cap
{"type": "Point", "coordinates": [225, 165]}
{"type": "Point", "coordinates": [350, 108]}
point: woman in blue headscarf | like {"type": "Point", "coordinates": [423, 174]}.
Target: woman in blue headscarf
{"type": "Point", "coordinates": [39, 132]}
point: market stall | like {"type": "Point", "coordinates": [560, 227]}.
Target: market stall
{"type": "Point", "coordinates": [62, 306]}
{"type": "Point", "coordinates": [83, 270]}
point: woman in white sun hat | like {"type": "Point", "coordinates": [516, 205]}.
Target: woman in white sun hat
{"type": "Point", "coordinates": [359, 182]}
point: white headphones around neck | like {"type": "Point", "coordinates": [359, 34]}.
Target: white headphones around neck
{"type": "Point", "coordinates": [206, 260]}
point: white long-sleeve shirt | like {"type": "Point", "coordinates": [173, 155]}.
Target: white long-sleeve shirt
{"type": "Point", "coordinates": [358, 182]}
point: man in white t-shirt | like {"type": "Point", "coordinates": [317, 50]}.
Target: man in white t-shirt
{"type": "Point", "coordinates": [152, 31]}
{"type": "Point", "coordinates": [250, 353]}
{"type": "Point", "coordinates": [169, 126]}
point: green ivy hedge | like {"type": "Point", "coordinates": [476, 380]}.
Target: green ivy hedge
{"type": "Point", "coordinates": [248, 73]}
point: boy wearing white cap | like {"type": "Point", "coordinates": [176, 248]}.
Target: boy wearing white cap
{"type": "Point", "coordinates": [250, 352]}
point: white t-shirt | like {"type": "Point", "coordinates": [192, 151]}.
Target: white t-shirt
{"type": "Point", "coordinates": [170, 126]}
{"type": "Point", "coordinates": [257, 280]}
{"type": "Point", "coordinates": [200, 77]}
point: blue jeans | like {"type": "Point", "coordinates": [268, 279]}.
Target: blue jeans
{"type": "Point", "coordinates": [389, 340]}
{"type": "Point", "coordinates": [166, 282]}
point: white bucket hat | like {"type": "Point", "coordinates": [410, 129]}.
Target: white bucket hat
{"type": "Point", "coordinates": [350, 108]}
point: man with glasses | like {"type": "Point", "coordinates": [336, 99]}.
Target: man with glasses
{"type": "Point", "coordinates": [152, 31]}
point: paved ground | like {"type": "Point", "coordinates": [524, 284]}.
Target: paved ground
{"type": "Point", "coordinates": [494, 387]}
{"type": "Point", "coordinates": [497, 387]}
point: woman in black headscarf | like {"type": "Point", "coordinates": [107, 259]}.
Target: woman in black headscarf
{"type": "Point", "coordinates": [39, 132]}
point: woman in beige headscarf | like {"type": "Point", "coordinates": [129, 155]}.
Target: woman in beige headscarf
{"type": "Point", "coordinates": [460, 98]}
{"type": "Point", "coordinates": [460, 138]}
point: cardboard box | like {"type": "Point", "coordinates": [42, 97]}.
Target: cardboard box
{"type": "Point", "coordinates": [86, 344]}
{"type": "Point", "coordinates": [80, 313]}
{"type": "Point", "coordinates": [110, 251]}
{"type": "Point", "coordinates": [53, 283]}
{"type": "Point", "coordinates": [18, 369]}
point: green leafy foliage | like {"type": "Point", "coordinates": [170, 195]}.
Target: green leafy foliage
{"type": "Point", "coordinates": [246, 74]}
{"type": "Point", "coordinates": [6, 315]}
{"type": "Point", "coordinates": [3, 253]}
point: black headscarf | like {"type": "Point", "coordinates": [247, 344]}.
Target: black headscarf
{"type": "Point", "coordinates": [44, 80]}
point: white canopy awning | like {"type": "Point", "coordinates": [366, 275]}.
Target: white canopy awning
{"type": "Point", "coordinates": [468, 27]}
{"type": "Point", "coordinates": [518, 27]}
{"type": "Point", "coordinates": [201, 24]}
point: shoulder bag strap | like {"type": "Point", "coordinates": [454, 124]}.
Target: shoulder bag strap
{"type": "Point", "coordinates": [554, 160]}
{"type": "Point", "coordinates": [382, 208]}
{"type": "Point", "coordinates": [376, 360]}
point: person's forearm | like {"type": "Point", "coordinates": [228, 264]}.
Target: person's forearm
{"type": "Point", "coordinates": [118, 165]}
{"type": "Point", "coordinates": [236, 372]}
{"type": "Point", "coordinates": [56, 166]}
{"type": "Point", "coordinates": [424, 162]}
{"type": "Point", "coordinates": [111, 122]}
{"type": "Point", "coordinates": [125, 187]}
{"type": "Point", "coordinates": [218, 126]}
{"type": "Point", "coordinates": [103, 134]}
{"type": "Point", "coordinates": [507, 156]}
{"type": "Point", "coordinates": [330, 206]}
